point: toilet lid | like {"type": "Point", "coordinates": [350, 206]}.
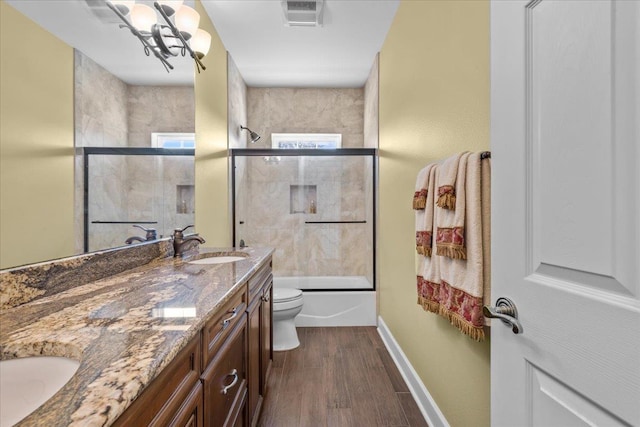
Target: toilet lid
{"type": "Point", "coordinates": [286, 294]}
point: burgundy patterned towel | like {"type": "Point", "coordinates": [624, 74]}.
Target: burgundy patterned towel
{"type": "Point", "coordinates": [424, 218]}
{"type": "Point", "coordinates": [447, 182]}
{"type": "Point", "coordinates": [463, 281]}
{"type": "Point", "coordinates": [450, 224]}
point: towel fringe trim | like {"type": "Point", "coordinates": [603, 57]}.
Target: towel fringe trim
{"type": "Point", "coordinates": [475, 333]}
{"type": "Point", "coordinates": [424, 250]}
{"type": "Point", "coordinates": [423, 243]}
{"type": "Point", "coordinates": [420, 200]}
{"type": "Point", "coordinates": [428, 305]}
{"type": "Point", "coordinates": [446, 197]}
{"type": "Point", "coordinates": [451, 251]}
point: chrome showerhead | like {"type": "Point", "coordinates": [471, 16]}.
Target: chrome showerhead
{"type": "Point", "coordinates": [254, 136]}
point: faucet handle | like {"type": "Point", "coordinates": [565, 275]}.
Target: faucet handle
{"type": "Point", "coordinates": [151, 232]}
{"type": "Point", "coordinates": [181, 230]}
{"type": "Point", "coordinates": [177, 232]}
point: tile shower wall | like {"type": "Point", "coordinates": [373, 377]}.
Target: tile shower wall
{"type": "Point", "coordinates": [158, 109]}
{"type": "Point", "coordinates": [237, 105]}
{"type": "Point", "coordinates": [304, 249]}
{"type": "Point", "coordinates": [306, 110]}
{"type": "Point", "coordinates": [110, 113]}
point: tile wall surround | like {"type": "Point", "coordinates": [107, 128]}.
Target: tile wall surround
{"type": "Point", "coordinates": [371, 136]}
{"type": "Point", "coordinates": [237, 105]}
{"type": "Point", "coordinates": [371, 101]}
{"type": "Point", "coordinates": [28, 283]}
{"type": "Point", "coordinates": [309, 249]}
{"type": "Point", "coordinates": [110, 113]}
{"type": "Point", "coordinates": [307, 110]}
{"type": "Point", "coordinates": [158, 109]}
{"type": "Point", "coordinates": [344, 185]}
{"type": "Point", "coordinates": [152, 185]}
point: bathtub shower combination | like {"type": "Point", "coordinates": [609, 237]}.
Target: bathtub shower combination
{"type": "Point", "coordinates": [316, 208]}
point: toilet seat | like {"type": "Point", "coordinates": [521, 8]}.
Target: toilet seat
{"type": "Point", "coordinates": [286, 294]}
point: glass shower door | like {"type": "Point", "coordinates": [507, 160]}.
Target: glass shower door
{"type": "Point", "coordinates": [315, 209]}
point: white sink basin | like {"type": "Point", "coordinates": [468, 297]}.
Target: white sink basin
{"type": "Point", "coordinates": [218, 260]}
{"type": "Point", "coordinates": [28, 382]}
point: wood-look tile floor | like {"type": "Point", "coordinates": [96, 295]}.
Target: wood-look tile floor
{"type": "Point", "coordinates": [338, 377]}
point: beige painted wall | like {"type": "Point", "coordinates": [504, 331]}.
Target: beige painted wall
{"type": "Point", "coordinates": [36, 142]}
{"type": "Point", "coordinates": [213, 216]}
{"type": "Point", "coordinates": [434, 102]}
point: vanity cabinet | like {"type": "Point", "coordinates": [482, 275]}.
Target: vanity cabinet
{"type": "Point", "coordinates": [220, 378]}
{"type": "Point", "coordinates": [225, 381]}
{"type": "Point", "coordinates": [260, 353]}
{"type": "Point", "coordinates": [174, 397]}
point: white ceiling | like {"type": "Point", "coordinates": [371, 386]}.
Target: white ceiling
{"type": "Point", "coordinates": [267, 53]}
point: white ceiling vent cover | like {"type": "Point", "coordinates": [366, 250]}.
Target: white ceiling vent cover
{"type": "Point", "coordinates": [303, 13]}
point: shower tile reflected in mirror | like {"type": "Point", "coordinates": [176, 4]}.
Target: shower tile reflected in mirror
{"type": "Point", "coordinates": [153, 190]}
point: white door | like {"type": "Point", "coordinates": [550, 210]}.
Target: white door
{"type": "Point", "coordinates": [565, 135]}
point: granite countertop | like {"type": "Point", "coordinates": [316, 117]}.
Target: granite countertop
{"type": "Point", "coordinates": [120, 328]}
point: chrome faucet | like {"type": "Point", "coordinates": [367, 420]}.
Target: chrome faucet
{"type": "Point", "coordinates": [151, 235]}
{"type": "Point", "coordinates": [181, 243]}
{"type": "Point", "coordinates": [132, 239]}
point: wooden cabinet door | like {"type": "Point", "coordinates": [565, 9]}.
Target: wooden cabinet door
{"type": "Point", "coordinates": [190, 414]}
{"type": "Point", "coordinates": [225, 380]}
{"type": "Point", "coordinates": [253, 356]}
{"type": "Point", "coordinates": [266, 335]}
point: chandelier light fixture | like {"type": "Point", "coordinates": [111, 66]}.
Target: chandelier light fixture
{"type": "Point", "coordinates": [180, 33]}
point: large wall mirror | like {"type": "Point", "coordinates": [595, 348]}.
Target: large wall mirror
{"type": "Point", "coordinates": [122, 100]}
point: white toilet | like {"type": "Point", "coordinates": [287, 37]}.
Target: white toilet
{"type": "Point", "coordinates": [287, 304]}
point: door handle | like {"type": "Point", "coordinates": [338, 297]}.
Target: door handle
{"type": "Point", "coordinates": [506, 311]}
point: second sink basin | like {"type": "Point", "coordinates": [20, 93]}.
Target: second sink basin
{"type": "Point", "coordinates": [26, 383]}
{"type": "Point", "coordinates": [217, 260]}
{"type": "Point", "coordinates": [218, 257]}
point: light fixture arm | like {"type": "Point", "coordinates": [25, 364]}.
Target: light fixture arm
{"type": "Point", "coordinates": [148, 47]}
{"type": "Point", "coordinates": [179, 35]}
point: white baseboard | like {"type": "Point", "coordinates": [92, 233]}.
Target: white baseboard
{"type": "Point", "coordinates": [423, 398]}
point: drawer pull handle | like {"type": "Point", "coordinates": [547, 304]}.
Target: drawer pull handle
{"type": "Point", "coordinates": [228, 320]}
{"type": "Point", "coordinates": [266, 298]}
{"type": "Point", "coordinates": [233, 373]}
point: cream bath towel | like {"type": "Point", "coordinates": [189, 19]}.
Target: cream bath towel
{"type": "Point", "coordinates": [424, 218]}
{"type": "Point", "coordinates": [422, 185]}
{"type": "Point", "coordinates": [450, 224]}
{"type": "Point", "coordinates": [428, 271]}
{"type": "Point", "coordinates": [463, 282]}
{"type": "Point", "coordinates": [447, 182]}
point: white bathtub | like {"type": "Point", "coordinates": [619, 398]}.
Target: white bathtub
{"type": "Point", "coordinates": [333, 307]}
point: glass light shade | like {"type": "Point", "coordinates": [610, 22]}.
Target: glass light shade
{"type": "Point", "coordinates": [174, 5]}
{"type": "Point", "coordinates": [200, 42]}
{"type": "Point", "coordinates": [143, 17]}
{"type": "Point", "coordinates": [187, 20]}
{"type": "Point", "coordinates": [124, 4]}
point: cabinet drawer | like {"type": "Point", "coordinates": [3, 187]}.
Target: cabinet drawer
{"type": "Point", "coordinates": [190, 413]}
{"type": "Point", "coordinates": [225, 380]}
{"type": "Point", "coordinates": [163, 398]}
{"type": "Point", "coordinates": [258, 279]}
{"type": "Point", "coordinates": [220, 325]}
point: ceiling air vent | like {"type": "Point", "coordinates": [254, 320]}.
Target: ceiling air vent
{"type": "Point", "coordinates": [303, 13]}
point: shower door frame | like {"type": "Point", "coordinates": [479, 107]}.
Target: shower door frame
{"type": "Point", "coordinates": [120, 151]}
{"type": "Point", "coordinates": [324, 152]}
